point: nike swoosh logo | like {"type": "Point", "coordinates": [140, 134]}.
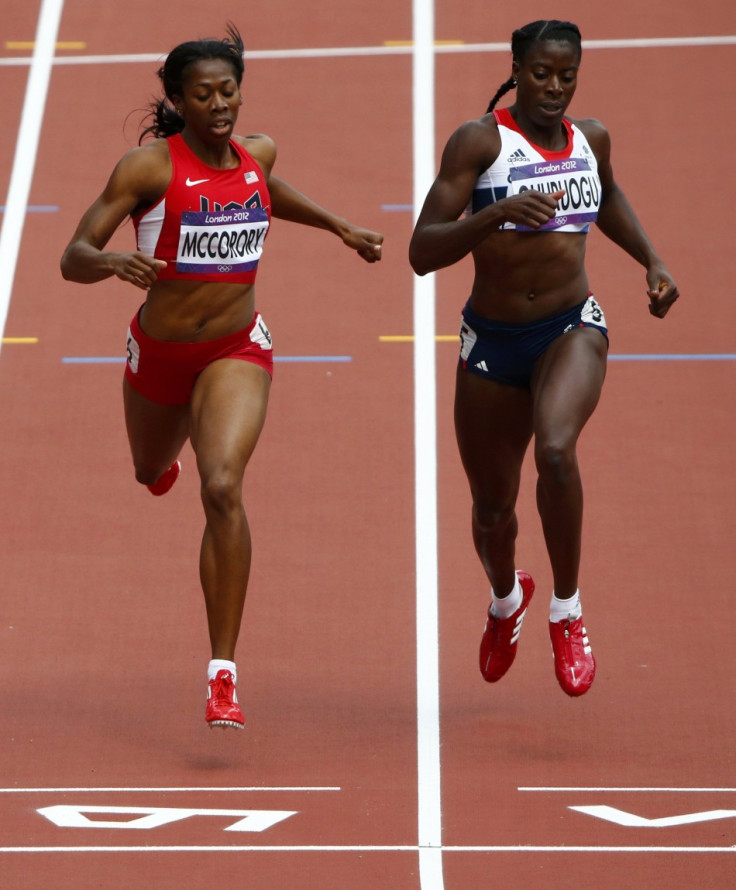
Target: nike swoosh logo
{"type": "Point", "coordinates": [195, 181]}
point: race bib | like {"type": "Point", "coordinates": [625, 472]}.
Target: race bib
{"type": "Point", "coordinates": [578, 206]}
{"type": "Point", "coordinates": [224, 241]}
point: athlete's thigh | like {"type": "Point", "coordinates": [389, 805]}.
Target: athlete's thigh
{"type": "Point", "coordinates": [567, 383]}
{"type": "Point", "coordinates": [156, 432]}
{"type": "Point", "coordinates": [227, 414]}
{"type": "Point", "coordinates": [493, 426]}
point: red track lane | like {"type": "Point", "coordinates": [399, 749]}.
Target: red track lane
{"type": "Point", "coordinates": [102, 630]}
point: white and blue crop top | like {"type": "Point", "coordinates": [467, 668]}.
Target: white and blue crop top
{"type": "Point", "coordinates": [521, 165]}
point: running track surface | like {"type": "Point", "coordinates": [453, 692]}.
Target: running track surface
{"type": "Point", "coordinates": [109, 776]}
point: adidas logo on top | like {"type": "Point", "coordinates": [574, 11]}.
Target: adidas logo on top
{"type": "Point", "coordinates": [518, 155]}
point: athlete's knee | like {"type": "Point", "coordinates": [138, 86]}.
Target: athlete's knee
{"type": "Point", "coordinates": [556, 462]}
{"type": "Point", "coordinates": [221, 492]}
{"type": "Point", "coordinates": [491, 515]}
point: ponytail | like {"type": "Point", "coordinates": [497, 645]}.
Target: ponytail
{"type": "Point", "coordinates": [165, 121]}
{"type": "Point", "coordinates": [501, 91]}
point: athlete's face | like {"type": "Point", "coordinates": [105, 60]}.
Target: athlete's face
{"type": "Point", "coordinates": [546, 81]}
{"type": "Point", "coordinates": [211, 99]}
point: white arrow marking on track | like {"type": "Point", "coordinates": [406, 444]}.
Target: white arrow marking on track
{"type": "Point", "coordinates": [66, 816]}
{"type": "Point", "coordinates": [631, 820]}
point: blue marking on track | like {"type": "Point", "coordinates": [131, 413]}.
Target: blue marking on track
{"type": "Point", "coordinates": [116, 359]}
{"type": "Point", "coordinates": [315, 359]}
{"type": "Point", "coordinates": [37, 208]}
{"type": "Point", "coordinates": [92, 360]}
{"type": "Point", "coordinates": [676, 357]}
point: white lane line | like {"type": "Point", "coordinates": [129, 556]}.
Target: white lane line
{"type": "Point", "coordinates": [339, 52]}
{"type": "Point", "coordinates": [429, 799]}
{"type": "Point", "coordinates": [339, 848]}
{"type": "Point", "coordinates": [154, 790]}
{"type": "Point", "coordinates": [624, 789]}
{"type": "Point", "coordinates": [25, 150]}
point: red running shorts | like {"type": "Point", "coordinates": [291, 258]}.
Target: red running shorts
{"type": "Point", "coordinates": [165, 371]}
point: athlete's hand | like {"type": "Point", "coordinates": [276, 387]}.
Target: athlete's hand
{"type": "Point", "coordinates": [662, 291]}
{"type": "Point", "coordinates": [367, 244]}
{"type": "Point", "coordinates": [137, 268]}
{"type": "Point", "coordinates": [531, 208]}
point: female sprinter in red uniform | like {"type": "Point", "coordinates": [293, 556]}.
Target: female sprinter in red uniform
{"type": "Point", "coordinates": [199, 355]}
{"type": "Point", "coordinates": [534, 340]}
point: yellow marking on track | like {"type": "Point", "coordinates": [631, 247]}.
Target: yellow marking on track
{"type": "Point", "coordinates": [411, 42]}
{"type": "Point", "coordinates": [408, 338]}
{"type": "Point", "coordinates": [20, 339]}
{"type": "Point", "coordinates": [30, 44]}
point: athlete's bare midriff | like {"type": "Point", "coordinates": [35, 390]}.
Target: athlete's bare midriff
{"type": "Point", "coordinates": [510, 286]}
{"type": "Point", "coordinates": [190, 311]}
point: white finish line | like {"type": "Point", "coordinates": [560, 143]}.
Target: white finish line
{"type": "Point", "coordinates": [336, 848]}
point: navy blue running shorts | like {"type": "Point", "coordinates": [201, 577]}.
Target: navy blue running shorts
{"type": "Point", "coordinates": [508, 353]}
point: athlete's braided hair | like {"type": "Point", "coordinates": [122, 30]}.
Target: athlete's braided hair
{"type": "Point", "coordinates": [524, 38]}
{"type": "Point", "coordinates": [165, 120]}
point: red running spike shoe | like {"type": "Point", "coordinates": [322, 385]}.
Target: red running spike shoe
{"type": "Point", "coordinates": [165, 480]}
{"type": "Point", "coordinates": [501, 635]}
{"type": "Point", "coordinates": [574, 659]}
{"type": "Point", "coordinates": [222, 703]}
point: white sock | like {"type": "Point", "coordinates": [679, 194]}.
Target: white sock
{"type": "Point", "coordinates": [559, 609]}
{"type": "Point", "coordinates": [219, 664]}
{"type": "Point", "coordinates": [505, 606]}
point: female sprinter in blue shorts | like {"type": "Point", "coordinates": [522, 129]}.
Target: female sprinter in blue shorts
{"type": "Point", "coordinates": [518, 189]}
{"type": "Point", "coordinates": [199, 354]}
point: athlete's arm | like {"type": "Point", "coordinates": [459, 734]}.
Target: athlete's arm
{"type": "Point", "coordinates": [289, 204]}
{"type": "Point", "coordinates": [617, 221]}
{"type": "Point", "coordinates": [138, 179]}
